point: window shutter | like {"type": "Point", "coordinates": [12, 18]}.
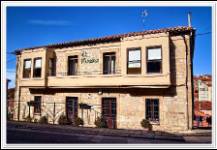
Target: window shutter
{"type": "Point", "coordinates": [38, 63]}
{"type": "Point", "coordinates": [27, 64]}
{"type": "Point", "coordinates": [154, 53]}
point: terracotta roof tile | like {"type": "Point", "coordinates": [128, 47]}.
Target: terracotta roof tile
{"type": "Point", "coordinates": [117, 37]}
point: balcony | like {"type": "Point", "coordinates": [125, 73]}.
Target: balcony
{"type": "Point", "coordinates": [98, 79]}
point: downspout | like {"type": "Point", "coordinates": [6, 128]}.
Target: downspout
{"type": "Point", "coordinates": [186, 79]}
{"type": "Point", "coordinates": [17, 85]}
{"type": "Point", "coordinates": [187, 73]}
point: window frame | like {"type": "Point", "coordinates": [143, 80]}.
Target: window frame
{"type": "Point", "coordinates": [52, 69]}
{"type": "Point", "coordinates": [28, 59]}
{"type": "Point", "coordinates": [134, 49]}
{"type": "Point", "coordinates": [110, 56]}
{"type": "Point", "coordinates": [153, 119]}
{"type": "Point", "coordinates": [156, 60]}
{"type": "Point", "coordinates": [68, 68]}
{"type": "Point", "coordinates": [37, 112]}
{"type": "Point", "coordinates": [34, 74]}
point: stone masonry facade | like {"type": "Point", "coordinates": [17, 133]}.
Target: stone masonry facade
{"type": "Point", "coordinates": [173, 87]}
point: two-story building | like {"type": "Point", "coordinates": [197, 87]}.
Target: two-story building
{"type": "Point", "coordinates": [124, 78]}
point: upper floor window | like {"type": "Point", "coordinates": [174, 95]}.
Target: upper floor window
{"type": "Point", "coordinates": [72, 65]}
{"type": "Point", "coordinates": [27, 68]}
{"type": "Point", "coordinates": [37, 67]}
{"type": "Point", "coordinates": [152, 109]}
{"type": "Point", "coordinates": [134, 61]}
{"type": "Point", "coordinates": [37, 104]}
{"type": "Point", "coordinates": [154, 60]}
{"type": "Point", "coordinates": [52, 67]}
{"type": "Point", "coordinates": [109, 63]}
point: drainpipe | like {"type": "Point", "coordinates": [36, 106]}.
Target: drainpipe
{"type": "Point", "coordinates": [186, 80]}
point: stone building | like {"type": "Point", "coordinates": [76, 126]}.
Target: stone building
{"type": "Point", "coordinates": [202, 100]}
{"type": "Point", "coordinates": [123, 78]}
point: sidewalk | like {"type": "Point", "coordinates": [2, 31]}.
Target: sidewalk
{"type": "Point", "coordinates": [107, 132]}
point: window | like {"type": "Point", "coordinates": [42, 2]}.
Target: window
{"type": "Point", "coordinates": [152, 110]}
{"type": "Point", "coordinates": [109, 63]}
{"type": "Point", "coordinates": [134, 61]}
{"type": "Point", "coordinates": [27, 68]}
{"type": "Point", "coordinates": [72, 65]}
{"type": "Point", "coordinates": [154, 60]}
{"type": "Point", "coordinates": [37, 104]}
{"type": "Point", "coordinates": [52, 67]}
{"type": "Point", "coordinates": [37, 67]}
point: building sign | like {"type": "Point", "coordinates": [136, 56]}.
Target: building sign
{"type": "Point", "coordinates": [86, 58]}
{"type": "Point", "coordinates": [203, 92]}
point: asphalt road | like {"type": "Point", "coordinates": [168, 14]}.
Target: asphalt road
{"type": "Point", "coordinates": [24, 136]}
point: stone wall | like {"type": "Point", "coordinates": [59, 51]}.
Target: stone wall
{"type": "Point", "coordinates": [175, 101]}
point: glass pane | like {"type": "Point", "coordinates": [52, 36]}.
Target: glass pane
{"type": "Point", "coordinates": [109, 63]}
{"type": "Point", "coordinates": [154, 53]}
{"type": "Point", "coordinates": [135, 64]}
{"type": "Point", "coordinates": [154, 66]}
{"type": "Point", "coordinates": [134, 55]}
{"type": "Point", "coordinates": [73, 65]}
{"type": "Point", "coordinates": [27, 64]}
{"type": "Point", "coordinates": [37, 63]}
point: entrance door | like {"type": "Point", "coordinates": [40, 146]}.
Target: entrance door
{"type": "Point", "coordinates": [71, 108]}
{"type": "Point", "coordinates": [109, 111]}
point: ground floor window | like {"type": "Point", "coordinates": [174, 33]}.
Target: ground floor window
{"type": "Point", "coordinates": [152, 110]}
{"type": "Point", "coordinates": [37, 104]}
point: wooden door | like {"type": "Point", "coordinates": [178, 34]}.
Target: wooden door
{"type": "Point", "coordinates": [109, 111]}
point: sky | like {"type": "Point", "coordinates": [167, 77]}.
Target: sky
{"type": "Point", "coordinates": [36, 26]}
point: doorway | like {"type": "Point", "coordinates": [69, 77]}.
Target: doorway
{"type": "Point", "coordinates": [71, 108]}
{"type": "Point", "coordinates": [109, 111]}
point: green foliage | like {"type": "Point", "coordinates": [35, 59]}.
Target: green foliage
{"type": "Point", "coordinates": [43, 120]}
{"type": "Point", "coordinates": [28, 119]}
{"type": "Point", "coordinates": [78, 121]}
{"type": "Point", "coordinates": [10, 116]}
{"type": "Point", "coordinates": [146, 124]}
{"type": "Point", "coordinates": [63, 120]}
{"type": "Point", "coordinates": [101, 123]}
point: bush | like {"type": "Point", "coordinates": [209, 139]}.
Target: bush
{"type": "Point", "coordinates": [43, 120]}
{"type": "Point", "coordinates": [78, 121]}
{"type": "Point", "coordinates": [28, 119]}
{"type": "Point", "coordinates": [100, 123]}
{"type": "Point", "coordinates": [10, 116]}
{"type": "Point", "coordinates": [35, 120]}
{"type": "Point", "coordinates": [146, 124]}
{"type": "Point", "coordinates": [63, 120]}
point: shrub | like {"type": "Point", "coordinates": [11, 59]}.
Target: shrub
{"type": "Point", "coordinates": [43, 120]}
{"type": "Point", "coordinates": [35, 120]}
{"type": "Point", "coordinates": [10, 116]}
{"type": "Point", "coordinates": [28, 119]}
{"type": "Point", "coordinates": [146, 124]}
{"type": "Point", "coordinates": [78, 121]}
{"type": "Point", "coordinates": [63, 120]}
{"type": "Point", "coordinates": [100, 123]}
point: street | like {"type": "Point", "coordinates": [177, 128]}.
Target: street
{"type": "Point", "coordinates": [29, 136]}
{"type": "Point", "coordinates": [24, 133]}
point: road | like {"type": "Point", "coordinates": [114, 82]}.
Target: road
{"type": "Point", "coordinates": [26, 133]}
{"type": "Point", "coordinates": [30, 136]}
